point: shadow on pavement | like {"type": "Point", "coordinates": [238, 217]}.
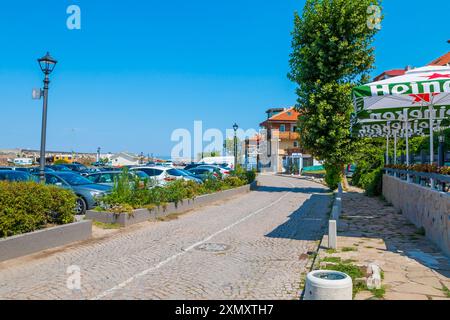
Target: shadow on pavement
{"type": "Point", "coordinates": [309, 221]}
{"type": "Point", "coordinates": [307, 190]}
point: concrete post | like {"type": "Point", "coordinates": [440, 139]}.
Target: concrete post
{"type": "Point", "coordinates": [332, 234]}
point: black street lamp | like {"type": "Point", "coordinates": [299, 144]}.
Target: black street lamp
{"type": "Point", "coordinates": [235, 127]}
{"type": "Point", "coordinates": [247, 145]}
{"type": "Point", "coordinates": [98, 155]}
{"type": "Point", "coordinates": [47, 64]}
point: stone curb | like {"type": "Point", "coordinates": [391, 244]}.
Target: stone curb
{"type": "Point", "coordinates": [32, 242]}
{"type": "Point", "coordinates": [141, 215]}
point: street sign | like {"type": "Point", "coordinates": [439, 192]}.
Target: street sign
{"type": "Point", "coordinates": [36, 94]}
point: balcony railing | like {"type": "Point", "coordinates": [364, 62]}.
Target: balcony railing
{"type": "Point", "coordinates": [288, 135]}
{"type": "Point", "coordinates": [434, 181]}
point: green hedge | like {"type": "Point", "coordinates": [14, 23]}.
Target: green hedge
{"type": "Point", "coordinates": [29, 206]}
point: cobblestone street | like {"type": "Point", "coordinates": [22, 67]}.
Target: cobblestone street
{"type": "Point", "coordinates": [249, 247]}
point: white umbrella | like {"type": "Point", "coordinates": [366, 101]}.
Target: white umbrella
{"type": "Point", "coordinates": [422, 87]}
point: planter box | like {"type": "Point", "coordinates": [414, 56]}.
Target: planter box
{"type": "Point", "coordinates": [141, 215]}
{"type": "Point", "coordinates": [27, 243]}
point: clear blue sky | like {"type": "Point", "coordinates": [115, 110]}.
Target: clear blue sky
{"type": "Point", "coordinates": [139, 69]}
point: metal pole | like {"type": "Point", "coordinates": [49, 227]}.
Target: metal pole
{"type": "Point", "coordinates": [441, 151]}
{"type": "Point", "coordinates": [43, 131]}
{"type": "Point", "coordinates": [431, 135]}
{"type": "Point", "coordinates": [395, 147]}
{"type": "Point", "coordinates": [235, 150]}
{"type": "Point", "coordinates": [257, 154]}
{"type": "Point", "coordinates": [387, 148]}
{"type": "Point", "coordinates": [432, 182]}
{"type": "Point", "coordinates": [405, 113]}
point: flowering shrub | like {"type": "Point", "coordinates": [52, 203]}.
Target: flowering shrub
{"type": "Point", "coordinates": [421, 168]}
{"type": "Point", "coordinates": [130, 195]}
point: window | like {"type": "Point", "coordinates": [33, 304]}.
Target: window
{"type": "Point", "coordinates": [94, 178]}
{"type": "Point", "coordinates": [106, 178]}
{"type": "Point", "coordinates": [282, 128]}
{"type": "Point", "coordinates": [294, 128]}
{"type": "Point", "coordinates": [295, 144]}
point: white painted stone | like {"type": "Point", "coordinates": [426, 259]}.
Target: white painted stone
{"type": "Point", "coordinates": [374, 279]}
{"type": "Point", "coordinates": [332, 234]}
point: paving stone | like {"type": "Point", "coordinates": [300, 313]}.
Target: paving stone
{"type": "Point", "coordinates": [413, 267]}
{"type": "Point", "coordinates": [404, 296]}
{"type": "Point", "coordinates": [267, 231]}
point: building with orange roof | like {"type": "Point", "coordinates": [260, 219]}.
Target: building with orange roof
{"type": "Point", "coordinates": [283, 146]}
{"type": "Point", "coordinates": [441, 61]}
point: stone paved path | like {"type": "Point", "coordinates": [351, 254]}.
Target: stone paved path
{"type": "Point", "coordinates": [264, 235]}
{"type": "Point", "coordinates": [371, 230]}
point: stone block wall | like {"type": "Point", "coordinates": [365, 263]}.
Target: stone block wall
{"type": "Point", "coordinates": [424, 207]}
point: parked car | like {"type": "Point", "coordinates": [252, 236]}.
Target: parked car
{"type": "Point", "coordinates": [109, 177]}
{"type": "Point", "coordinates": [74, 167]}
{"type": "Point", "coordinates": [6, 168]}
{"type": "Point", "coordinates": [204, 173]}
{"type": "Point", "coordinates": [162, 175]}
{"type": "Point", "coordinates": [78, 168]}
{"type": "Point", "coordinates": [33, 170]}
{"type": "Point", "coordinates": [86, 191]}
{"type": "Point", "coordinates": [16, 176]}
{"type": "Point", "coordinates": [224, 171]}
{"type": "Point", "coordinates": [350, 170]}
{"type": "Point", "coordinates": [59, 167]}
{"type": "Point", "coordinates": [193, 165]}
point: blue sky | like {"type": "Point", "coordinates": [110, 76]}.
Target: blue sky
{"type": "Point", "coordinates": [139, 69]}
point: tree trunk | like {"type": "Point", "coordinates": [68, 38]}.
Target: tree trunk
{"type": "Point", "coordinates": [344, 180]}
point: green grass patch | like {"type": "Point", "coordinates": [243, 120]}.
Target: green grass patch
{"type": "Point", "coordinates": [106, 225]}
{"type": "Point", "coordinates": [446, 291]}
{"type": "Point", "coordinates": [347, 249]}
{"type": "Point", "coordinates": [330, 251]}
{"type": "Point", "coordinates": [353, 271]}
{"type": "Point", "coordinates": [331, 259]}
{"type": "Point", "coordinates": [378, 293]}
{"type": "Point", "coordinates": [348, 261]}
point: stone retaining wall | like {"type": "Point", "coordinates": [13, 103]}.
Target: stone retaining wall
{"type": "Point", "coordinates": [141, 215]}
{"type": "Point", "coordinates": [424, 207]}
{"type": "Point", "coordinates": [27, 243]}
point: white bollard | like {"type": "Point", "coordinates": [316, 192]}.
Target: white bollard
{"type": "Point", "coordinates": [328, 285]}
{"type": "Point", "coordinates": [332, 234]}
{"type": "Point", "coordinates": [338, 203]}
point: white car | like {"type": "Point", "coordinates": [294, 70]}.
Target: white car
{"type": "Point", "coordinates": [163, 175]}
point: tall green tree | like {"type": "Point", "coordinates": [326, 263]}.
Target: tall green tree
{"type": "Point", "coordinates": [331, 52]}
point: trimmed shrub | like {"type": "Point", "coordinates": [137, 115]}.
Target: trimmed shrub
{"type": "Point", "coordinates": [29, 206]}
{"type": "Point", "coordinates": [332, 175]}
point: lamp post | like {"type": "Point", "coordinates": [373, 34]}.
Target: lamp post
{"type": "Point", "coordinates": [257, 153]}
{"type": "Point", "coordinates": [47, 64]}
{"type": "Point", "coordinates": [98, 155]}
{"type": "Point", "coordinates": [235, 127]}
{"type": "Point", "coordinates": [247, 145]}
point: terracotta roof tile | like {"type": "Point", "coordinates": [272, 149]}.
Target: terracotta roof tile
{"type": "Point", "coordinates": [288, 115]}
{"type": "Point", "coordinates": [441, 61]}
